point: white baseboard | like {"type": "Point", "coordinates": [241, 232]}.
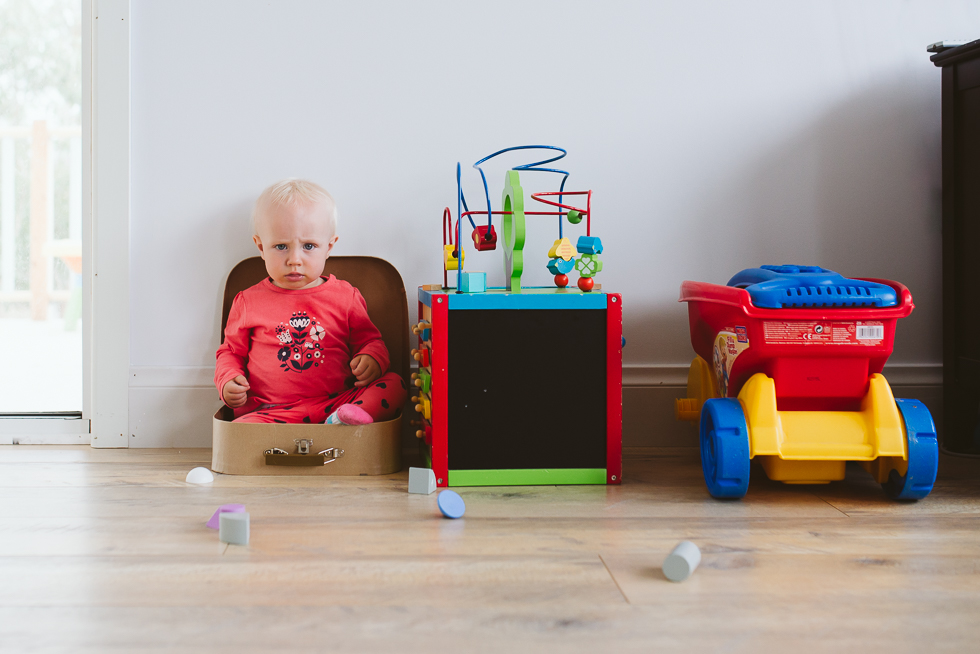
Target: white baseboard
{"type": "Point", "coordinates": [172, 406]}
{"type": "Point", "coordinates": [171, 416]}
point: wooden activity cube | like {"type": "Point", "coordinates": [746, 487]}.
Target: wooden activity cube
{"type": "Point", "coordinates": [520, 388]}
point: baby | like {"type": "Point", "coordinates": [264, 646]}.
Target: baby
{"type": "Point", "coordinates": [299, 347]}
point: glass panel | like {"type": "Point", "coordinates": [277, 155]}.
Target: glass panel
{"type": "Point", "coordinates": [40, 206]}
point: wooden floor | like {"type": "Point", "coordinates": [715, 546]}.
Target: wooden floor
{"type": "Point", "coordinates": [106, 551]}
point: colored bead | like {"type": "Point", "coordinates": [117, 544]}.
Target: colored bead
{"type": "Point", "coordinates": [448, 260]}
{"type": "Point", "coordinates": [588, 265]}
{"type": "Point", "coordinates": [561, 267]}
{"type": "Point", "coordinates": [561, 249]}
{"type": "Point", "coordinates": [481, 241]}
{"type": "Point", "coordinates": [561, 281]}
{"type": "Point", "coordinates": [423, 381]}
{"type": "Point", "coordinates": [586, 283]}
{"type": "Point", "coordinates": [423, 405]}
{"type": "Point", "coordinates": [574, 217]}
{"type": "Point", "coordinates": [473, 282]}
{"type": "Point", "coordinates": [589, 245]}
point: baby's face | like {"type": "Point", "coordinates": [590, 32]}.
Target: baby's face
{"type": "Point", "coordinates": [295, 241]}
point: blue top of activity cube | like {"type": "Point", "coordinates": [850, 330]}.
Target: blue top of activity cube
{"type": "Point", "coordinates": [784, 287]}
{"type": "Point", "coordinates": [529, 298]}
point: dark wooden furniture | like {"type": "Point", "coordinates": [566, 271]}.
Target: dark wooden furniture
{"type": "Point", "coordinates": [961, 246]}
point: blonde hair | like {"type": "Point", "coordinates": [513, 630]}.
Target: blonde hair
{"type": "Point", "coordinates": [292, 191]}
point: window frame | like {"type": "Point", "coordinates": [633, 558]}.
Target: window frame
{"type": "Point", "coordinates": [105, 242]}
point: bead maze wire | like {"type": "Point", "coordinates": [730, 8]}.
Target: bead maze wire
{"type": "Point", "coordinates": [447, 216]}
{"type": "Point", "coordinates": [463, 210]}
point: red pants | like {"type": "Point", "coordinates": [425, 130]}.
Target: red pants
{"type": "Point", "coordinates": [382, 399]}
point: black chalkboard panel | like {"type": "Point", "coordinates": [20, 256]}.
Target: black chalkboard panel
{"type": "Point", "coordinates": [527, 389]}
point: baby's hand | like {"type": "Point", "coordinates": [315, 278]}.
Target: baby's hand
{"type": "Point", "coordinates": [365, 369]}
{"type": "Point", "coordinates": [235, 392]}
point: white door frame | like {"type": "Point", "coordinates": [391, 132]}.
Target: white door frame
{"type": "Point", "coordinates": [106, 144]}
{"type": "Point", "coordinates": [105, 240]}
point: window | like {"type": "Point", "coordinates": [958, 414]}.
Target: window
{"type": "Point", "coordinates": [41, 282]}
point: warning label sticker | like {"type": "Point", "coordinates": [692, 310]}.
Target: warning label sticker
{"type": "Point", "coordinates": [728, 345]}
{"type": "Point", "coordinates": [826, 332]}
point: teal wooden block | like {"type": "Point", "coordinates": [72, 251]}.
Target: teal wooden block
{"type": "Point", "coordinates": [473, 282]}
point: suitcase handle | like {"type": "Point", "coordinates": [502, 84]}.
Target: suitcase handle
{"type": "Point", "coordinates": [279, 457]}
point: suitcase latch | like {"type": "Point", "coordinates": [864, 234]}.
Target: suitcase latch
{"type": "Point", "coordinates": [331, 454]}
{"type": "Point", "coordinates": [303, 445]}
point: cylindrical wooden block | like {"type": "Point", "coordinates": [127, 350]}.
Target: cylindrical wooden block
{"type": "Point", "coordinates": [233, 528]}
{"type": "Point", "coordinates": [680, 563]}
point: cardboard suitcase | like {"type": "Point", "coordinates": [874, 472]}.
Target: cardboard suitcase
{"type": "Point", "coordinates": [303, 449]}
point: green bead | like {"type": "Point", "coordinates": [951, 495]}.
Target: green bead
{"type": "Point", "coordinates": [574, 217]}
{"type": "Point", "coordinates": [588, 265]}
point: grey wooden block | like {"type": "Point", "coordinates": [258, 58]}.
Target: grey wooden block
{"type": "Point", "coordinates": [680, 563]}
{"type": "Point", "coordinates": [233, 528]}
{"type": "Point", "coordinates": [421, 480]}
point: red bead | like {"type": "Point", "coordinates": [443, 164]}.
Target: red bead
{"type": "Point", "coordinates": [585, 283]}
{"type": "Point", "coordinates": [485, 238]}
{"type": "Point", "coordinates": [561, 281]}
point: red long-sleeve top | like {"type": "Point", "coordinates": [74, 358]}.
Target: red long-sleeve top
{"type": "Point", "coordinates": [296, 344]}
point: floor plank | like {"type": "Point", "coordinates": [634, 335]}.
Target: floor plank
{"type": "Point", "coordinates": [107, 551]}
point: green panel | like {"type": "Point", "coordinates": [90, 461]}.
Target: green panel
{"type": "Point", "coordinates": [514, 232]}
{"type": "Point", "coordinates": [530, 477]}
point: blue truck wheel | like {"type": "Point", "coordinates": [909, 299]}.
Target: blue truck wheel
{"type": "Point", "coordinates": [724, 448]}
{"type": "Point", "coordinates": [923, 448]}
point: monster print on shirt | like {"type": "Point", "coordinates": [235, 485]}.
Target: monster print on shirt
{"type": "Point", "coordinates": [300, 339]}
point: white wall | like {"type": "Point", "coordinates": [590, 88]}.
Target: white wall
{"type": "Point", "coordinates": [715, 136]}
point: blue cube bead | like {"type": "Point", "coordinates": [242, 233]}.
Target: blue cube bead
{"type": "Point", "coordinates": [589, 245]}
{"type": "Point", "coordinates": [473, 282]}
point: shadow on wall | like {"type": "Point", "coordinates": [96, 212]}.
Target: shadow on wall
{"type": "Point", "coordinates": [232, 227]}
{"type": "Point", "coordinates": [858, 191]}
